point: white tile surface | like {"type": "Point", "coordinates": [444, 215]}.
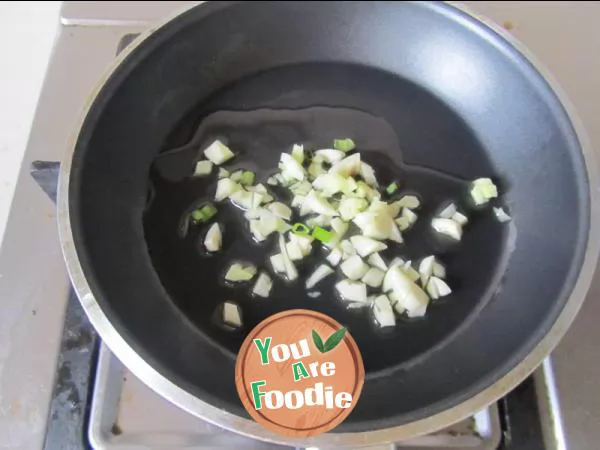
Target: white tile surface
{"type": "Point", "coordinates": [27, 31]}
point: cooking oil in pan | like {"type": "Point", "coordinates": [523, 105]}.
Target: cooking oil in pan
{"type": "Point", "coordinates": [194, 279]}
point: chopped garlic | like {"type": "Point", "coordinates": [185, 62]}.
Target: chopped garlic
{"type": "Point", "coordinates": [334, 257]}
{"type": "Point", "coordinates": [374, 277]}
{"type": "Point", "coordinates": [364, 246]}
{"type": "Point", "coordinates": [352, 291]}
{"type": "Point", "coordinates": [448, 211]}
{"type": "Point", "coordinates": [263, 285]}
{"type": "Point", "coordinates": [447, 227]}
{"type": "Point", "coordinates": [377, 261]}
{"type": "Point", "coordinates": [225, 188]}
{"type": "Point", "coordinates": [354, 267]}
{"type": "Point", "coordinates": [501, 215]}
{"type": "Point", "coordinates": [460, 218]}
{"type": "Point", "coordinates": [232, 315]}
{"type": "Point", "coordinates": [203, 168]}
{"type": "Point", "coordinates": [321, 272]}
{"type": "Point", "coordinates": [482, 190]}
{"type": "Point", "coordinates": [383, 312]}
{"type": "Point", "coordinates": [213, 239]}
{"type": "Point", "coordinates": [238, 272]}
{"type": "Point", "coordinates": [218, 153]}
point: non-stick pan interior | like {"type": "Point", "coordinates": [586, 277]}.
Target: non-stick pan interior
{"type": "Point", "coordinates": [263, 115]}
{"type": "Point", "coordinates": [431, 98]}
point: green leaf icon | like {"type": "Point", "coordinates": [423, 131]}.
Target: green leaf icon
{"type": "Point", "coordinates": [318, 341]}
{"type": "Point", "coordinates": [334, 340]}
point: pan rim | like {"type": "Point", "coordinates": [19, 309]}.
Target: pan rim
{"type": "Point", "coordinates": [195, 406]}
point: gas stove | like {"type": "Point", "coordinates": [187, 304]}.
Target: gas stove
{"type": "Point", "coordinates": [63, 389]}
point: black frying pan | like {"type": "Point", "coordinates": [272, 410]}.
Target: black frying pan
{"type": "Point", "coordinates": [431, 96]}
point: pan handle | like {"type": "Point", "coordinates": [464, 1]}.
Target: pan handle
{"type": "Point", "coordinates": [45, 174]}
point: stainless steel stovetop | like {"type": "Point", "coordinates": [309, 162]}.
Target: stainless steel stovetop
{"type": "Point", "coordinates": [91, 396]}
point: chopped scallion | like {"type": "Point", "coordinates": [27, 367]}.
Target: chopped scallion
{"type": "Point", "coordinates": [204, 213]}
{"type": "Point", "coordinates": [344, 145]}
{"type": "Point", "coordinates": [197, 215]}
{"type": "Point", "coordinates": [300, 229]}
{"type": "Point", "coordinates": [208, 211]}
{"type": "Point", "coordinates": [247, 178]}
{"type": "Point", "coordinates": [322, 234]}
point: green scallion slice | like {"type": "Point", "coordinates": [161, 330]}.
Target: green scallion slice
{"type": "Point", "coordinates": [247, 178]}
{"type": "Point", "coordinates": [391, 188]}
{"type": "Point", "coordinates": [344, 145]}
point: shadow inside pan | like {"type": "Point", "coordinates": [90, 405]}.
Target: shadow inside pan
{"type": "Point", "coordinates": [402, 130]}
